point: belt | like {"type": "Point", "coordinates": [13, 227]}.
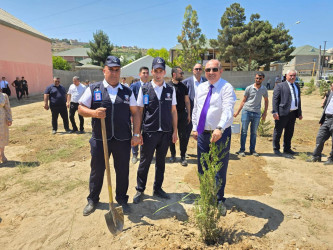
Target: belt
{"type": "Point", "coordinates": [329, 115]}
{"type": "Point", "coordinates": [208, 131]}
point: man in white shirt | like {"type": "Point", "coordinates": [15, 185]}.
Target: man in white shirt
{"type": "Point", "coordinates": [74, 94]}
{"type": "Point", "coordinates": [212, 118]}
{"type": "Point", "coordinates": [4, 86]}
{"type": "Point", "coordinates": [192, 84]}
{"type": "Point", "coordinates": [157, 102]}
{"type": "Point", "coordinates": [111, 100]}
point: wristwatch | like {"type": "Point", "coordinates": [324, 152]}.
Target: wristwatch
{"type": "Point", "coordinates": [136, 135]}
{"type": "Point", "coordinates": [220, 128]}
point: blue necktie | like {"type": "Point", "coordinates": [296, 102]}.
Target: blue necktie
{"type": "Point", "coordinates": [293, 85]}
{"type": "Point", "coordinates": [204, 111]}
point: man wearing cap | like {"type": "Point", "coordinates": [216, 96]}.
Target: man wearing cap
{"type": "Point", "coordinates": [115, 102]}
{"type": "Point", "coordinates": [56, 95]}
{"type": "Point", "coordinates": [135, 87]}
{"type": "Point", "coordinates": [157, 102]}
{"type": "Point", "coordinates": [212, 118]}
{"type": "Point", "coordinates": [192, 84]}
{"type": "Point", "coordinates": [74, 93]}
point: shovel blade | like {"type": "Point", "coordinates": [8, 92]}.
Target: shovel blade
{"type": "Point", "coordinates": [115, 220]}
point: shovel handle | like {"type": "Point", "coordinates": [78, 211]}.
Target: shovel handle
{"type": "Point", "coordinates": [107, 165]}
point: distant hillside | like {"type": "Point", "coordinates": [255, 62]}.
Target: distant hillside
{"type": "Point", "coordinates": [59, 45]}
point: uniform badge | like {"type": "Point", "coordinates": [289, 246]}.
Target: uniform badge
{"type": "Point", "coordinates": [97, 95]}
{"type": "Point", "coordinates": [146, 99]}
{"type": "Point", "coordinates": [168, 97]}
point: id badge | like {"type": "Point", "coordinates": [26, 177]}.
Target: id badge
{"type": "Point", "coordinates": [146, 99]}
{"type": "Point", "coordinates": [97, 96]}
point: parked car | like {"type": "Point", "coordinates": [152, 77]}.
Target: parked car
{"type": "Point", "coordinates": [325, 78]}
{"type": "Point", "coordinates": [299, 81]}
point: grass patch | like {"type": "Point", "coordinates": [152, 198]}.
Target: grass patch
{"type": "Point", "coordinates": [3, 182]}
{"type": "Point", "coordinates": [25, 167]}
{"type": "Point", "coordinates": [304, 156]}
{"type": "Point", "coordinates": [70, 186]}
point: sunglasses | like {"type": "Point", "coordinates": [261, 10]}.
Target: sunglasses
{"type": "Point", "coordinates": [211, 69]}
{"type": "Point", "coordinates": [259, 78]}
{"type": "Point", "coordinates": [198, 69]}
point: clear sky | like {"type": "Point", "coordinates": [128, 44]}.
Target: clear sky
{"type": "Point", "coordinates": [156, 23]}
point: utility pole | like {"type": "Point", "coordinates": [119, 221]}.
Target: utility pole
{"type": "Point", "coordinates": [319, 64]}
{"type": "Point", "coordinates": [323, 61]}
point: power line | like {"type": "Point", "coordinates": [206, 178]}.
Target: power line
{"type": "Point", "coordinates": [108, 17]}
{"type": "Point", "coordinates": [64, 11]}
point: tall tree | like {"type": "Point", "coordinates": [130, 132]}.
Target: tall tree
{"type": "Point", "coordinates": [100, 48]}
{"type": "Point", "coordinates": [191, 39]}
{"type": "Point", "coordinates": [254, 43]}
{"type": "Point", "coordinates": [163, 52]}
{"type": "Point", "coordinates": [232, 35]}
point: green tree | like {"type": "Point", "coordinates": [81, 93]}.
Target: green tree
{"type": "Point", "coordinates": [256, 42]}
{"type": "Point", "coordinates": [100, 48]}
{"type": "Point", "coordinates": [191, 39]}
{"type": "Point", "coordinates": [60, 63]}
{"type": "Point", "coordinates": [232, 35]}
{"type": "Point", "coordinates": [163, 53]}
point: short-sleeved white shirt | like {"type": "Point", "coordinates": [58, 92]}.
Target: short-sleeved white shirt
{"type": "Point", "coordinates": [158, 90]}
{"type": "Point", "coordinates": [76, 92]}
{"type": "Point", "coordinates": [112, 91]}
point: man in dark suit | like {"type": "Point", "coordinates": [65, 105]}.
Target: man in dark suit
{"type": "Point", "coordinates": [135, 87]}
{"type": "Point", "coordinates": [325, 132]}
{"type": "Point", "coordinates": [192, 83]}
{"type": "Point", "coordinates": [286, 108]}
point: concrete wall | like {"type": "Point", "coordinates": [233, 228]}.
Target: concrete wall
{"type": "Point", "coordinates": [22, 54]}
{"type": "Point", "coordinates": [242, 79]}
{"type": "Point", "coordinates": [66, 77]}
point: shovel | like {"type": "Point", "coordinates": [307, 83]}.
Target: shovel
{"type": "Point", "coordinates": [115, 217]}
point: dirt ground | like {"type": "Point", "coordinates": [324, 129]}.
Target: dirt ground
{"type": "Point", "coordinates": [273, 202]}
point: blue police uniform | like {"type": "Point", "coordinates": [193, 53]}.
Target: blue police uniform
{"type": "Point", "coordinates": [118, 132]}
{"type": "Point", "coordinates": [156, 132]}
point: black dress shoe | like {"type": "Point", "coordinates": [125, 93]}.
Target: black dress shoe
{"type": "Point", "coordinates": [138, 197]}
{"type": "Point", "coordinates": [126, 208]}
{"type": "Point", "coordinates": [314, 159]}
{"type": "Point", "coordinates": [183, 161]}
{"type": "Point", "coordinates": [328, 162]}
{"type": "Point", "coordinates": [289, 151]}
{"type": "Point", "coordinates": [172, 159]}
{"type": "Point", "coordinates": [161, 194]}
{"type": "Point", "coordinates": [90, 208]}
{"type": "Point", "coordinates": [277, 152]}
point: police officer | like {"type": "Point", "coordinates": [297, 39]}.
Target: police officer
{"type": "Point", "coordinates": [157, 102]}
{"type": "Point", "coordinates": [115, 102]}
{"type": "Point", "coordinates": [135, 87]}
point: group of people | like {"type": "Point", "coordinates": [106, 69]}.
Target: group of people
{"type": "Point", "coordinates": [163, 112]}
{"type": "Point", "coordinates": [58, 101]}
{"type": "Point", "coordinates": [20, 85]}
{"type": "Point", "coordinates": [159, 113]}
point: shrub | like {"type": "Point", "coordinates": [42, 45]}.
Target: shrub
{"type": "Point", "coordinates": [206, 207]}
{"type": "Point", "coordinates": [264, 127]}
{"type": "Point", "coordinates": [324, 87]}
{"type": "Point", "coordinates": [310, 87]}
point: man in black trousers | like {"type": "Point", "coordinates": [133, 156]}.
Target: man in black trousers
{"type": "Point", "coordinates": [115, 102]}
{"type": "Point", "coordinates": [325, 132]}
{"type": "Point", "coordinates": [183, 113]}
{"type": "Point", "coordinates": [56, 95]}
{"type": "Point", "coordinates": [157, 102]}
{"type": "Point", "coordinates": [286, 108]}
